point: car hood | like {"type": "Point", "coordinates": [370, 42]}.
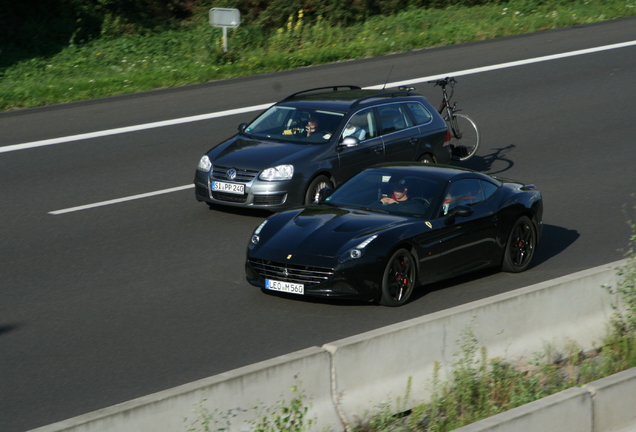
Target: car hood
{"type": "Point", "coordinates": [324, 231]}
{"type": "Point", "coordinates": [245, 153]}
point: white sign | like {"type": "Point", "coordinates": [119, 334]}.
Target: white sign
{"type": "Point", "coordinates": [223, 17]}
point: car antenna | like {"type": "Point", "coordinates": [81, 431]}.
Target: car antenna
{"type": "Point", "coordinates": [387, 77]}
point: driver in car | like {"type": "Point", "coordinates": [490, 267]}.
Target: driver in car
{"type": "Point", "coordinates": [400, 194]}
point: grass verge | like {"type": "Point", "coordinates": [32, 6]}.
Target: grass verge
{"type": "Point", "coordinates": [194, 53]}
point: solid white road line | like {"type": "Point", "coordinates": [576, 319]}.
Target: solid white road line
{"type": "Point", "coordinates": [48, 142]}
{"type": "Point", "coordinates": [120, 200]}
{"type": "Point", "coordinates": [182, 120]}
{"type": "Point", "coordinates": [507, 65]}
{"type": "Point", "coordinates": [264, 106]}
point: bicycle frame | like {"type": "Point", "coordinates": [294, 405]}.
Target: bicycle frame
{"type": "Point", "coordinates": [460, 125]}
{"type": "Point", "coordinates": [445, 105]}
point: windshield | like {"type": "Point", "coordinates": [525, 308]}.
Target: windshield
{"type": "Point", "coordinates": [394, 191]}
{"type": "Point", "coordinates": [296, 125]}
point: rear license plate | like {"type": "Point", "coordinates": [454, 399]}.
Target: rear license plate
{"type": "Point", "coordinates": [233, 188]}
{"type": "Point", "coordinates": [287, 287]}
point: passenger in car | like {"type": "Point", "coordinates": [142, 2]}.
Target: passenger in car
{"type": "Point", "coordinates": [355, 131]}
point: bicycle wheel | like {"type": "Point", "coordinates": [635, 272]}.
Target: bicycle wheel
{"type": "Point", "coordinates": [464, 137]}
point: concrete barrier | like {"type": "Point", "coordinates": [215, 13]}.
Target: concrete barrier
{"type": "Point", "coordinates": [606, 405]}
{"type": "Point", "coordinates": [614, 402]}
{"type": "Point", "coordinates": [567, 411]}
{"type": "Point", "coordinates": [233, 393]}
{"type": "Point", "coordinates": [374, 368]}
{"type": "Point", "coordinates": [351, 378]}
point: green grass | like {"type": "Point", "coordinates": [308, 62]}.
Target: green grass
{"type": "Point", "coordinates": [194, 53]}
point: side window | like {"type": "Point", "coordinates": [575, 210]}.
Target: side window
{"type": "Point", "coordinates": [420, 114]}
{"type": "Point", "coordinates": [488, 189]}
{"type": "Point", "coordinates": [466, 192]}
{"type": "Point", "coordinates": [393, 118]}
{"type": "Point", "coordinates": [361, 125]}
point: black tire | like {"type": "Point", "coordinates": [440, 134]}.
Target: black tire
{"type": "Point", "coordinates": [427, 158]}
{"type": "Point", "coordinates": [399, 279]}
{"type": "Point", "coordinates": [315, 187]}
{"type": "Point", "coordinates": [464, 137]}
{"type": "Point", "coordinates": [521, 245]}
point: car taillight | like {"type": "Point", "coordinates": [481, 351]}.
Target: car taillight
{"type": "Point", "coordinates": [447, 138]}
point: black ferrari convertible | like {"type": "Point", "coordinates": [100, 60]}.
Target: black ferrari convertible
{"type": "Point", "coordinates": [394, 227]}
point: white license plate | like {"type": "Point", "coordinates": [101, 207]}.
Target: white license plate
{"type": "Point", "coordinates": [233, 188]}
{"type": "Point", "coordinates": [287, 287]}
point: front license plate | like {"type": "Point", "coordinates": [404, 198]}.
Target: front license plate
{"type": "Point", "coordinates": [287, 287]}
{"type": "Point", "coordinates": [233, 188]}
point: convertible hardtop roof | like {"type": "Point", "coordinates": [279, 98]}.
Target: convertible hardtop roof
{"type": "Point", "coordinates": [344, 97]}
{"type": "Point", "coordinates": [442, 172]}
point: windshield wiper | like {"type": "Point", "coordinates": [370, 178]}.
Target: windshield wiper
{"type": "Point", "coordinates": [328, 204]}
{"type": "Point", "coordinates": [371, 209]}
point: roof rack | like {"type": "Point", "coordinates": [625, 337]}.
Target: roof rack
{"type": "Point", "coordinates": [333, 88]}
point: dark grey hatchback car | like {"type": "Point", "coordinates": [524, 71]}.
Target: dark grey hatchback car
{"type": "Point", "coordinates": [319, 138]}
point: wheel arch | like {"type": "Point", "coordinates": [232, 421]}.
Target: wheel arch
{"type": "Point", "coordinates": [427, 153]}
{"type": "Point", "coordinates": [412, 250]}
{"type": "Point", "coordinates": [322, 173]}
{"type": "Point", "coordinates": [325, 173]}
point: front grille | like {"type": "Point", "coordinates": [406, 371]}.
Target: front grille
{"type": "Point", "coordinates": [221, 196]}
{"type": "Point", "coordinates": [242, 175]}
{"type": "Point", "coordinates": [270, 199]}
{"type": "Point", "coordinates": [307, 275]}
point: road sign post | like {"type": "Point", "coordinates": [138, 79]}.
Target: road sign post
{"type": "Point", "coordinates": [225, 18]}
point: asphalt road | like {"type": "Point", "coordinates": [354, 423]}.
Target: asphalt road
{"type": "Point", "coordinates": [102, 305]}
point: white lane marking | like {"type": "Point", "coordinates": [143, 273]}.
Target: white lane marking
{"type": "Point", "coordinates": [119, 200]}
{"type": "Point", "coordinates": [182, 120]}
{"type": "Point", "coordinates": [264, 106]}
{"type": "Point", "coordinates": [508, 65]}
{"type": "Point", "coordinates": [135, 128]}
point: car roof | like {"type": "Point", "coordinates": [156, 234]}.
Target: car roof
{"type": "Point", "coordinates": [344, 98]}
{"type": "Point", "coordinates": [442, 172]}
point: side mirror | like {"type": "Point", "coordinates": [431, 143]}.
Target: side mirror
{"type": "Point", "coordinates": [350, 142]}
{"type": "Point", "coordinates": [242, 127]}
{"type": "Point", "coordinates": [323, 194]}
{"type": "Point", "coordinates": [459, 211]}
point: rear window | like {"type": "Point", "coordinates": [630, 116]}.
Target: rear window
{"type": "Point", "coordinates": [420, 113]}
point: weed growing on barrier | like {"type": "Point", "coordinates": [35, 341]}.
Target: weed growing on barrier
{"type": "Point", "coordinates": [620, 347]}
{"type": "Point", "coordinates": [626, 285]}
{"type": "Point", "coordinates": [215, 421]}
{"type": "Point", "coordinates": [282, 417]}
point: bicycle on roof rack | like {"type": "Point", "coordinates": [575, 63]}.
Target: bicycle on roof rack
{"type": "Point", "coordinates": [464, 131]}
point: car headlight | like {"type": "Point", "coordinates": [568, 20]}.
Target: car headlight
{"type": "Point", "coordinates": [256, 236]}
{"type": "Point", "coordinates": [204, 164]}
{"type": "Point", "coordinates": [358, 251]}
{"type": "Point", "coordinates": [280, 172]}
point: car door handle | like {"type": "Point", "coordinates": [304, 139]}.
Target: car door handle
{"type": "Point", "coordinates": [379, 150]}
{"type": "Point", "coordinates": [413, 141]}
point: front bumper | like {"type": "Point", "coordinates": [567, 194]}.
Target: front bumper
{"type": "Point", "coordinates": [274, 195]}
{"type": "Point", "coordinates": [356, 279]}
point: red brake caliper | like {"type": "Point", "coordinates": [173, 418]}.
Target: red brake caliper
{"type": "Point", "coordinates": [400, 278]}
